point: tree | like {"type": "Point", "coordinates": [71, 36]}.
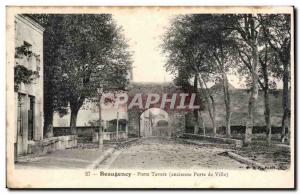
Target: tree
{"type": "Point", "coordinates": [209, 37]}
{"type": "Point", "coordinates": [185, 48]}
{"type": "Point", "coordinates": [210, 45]}
{"type": "Point", "coordinates": [261, 40]}
{"type": "Point", "coordinates": [277, 29]}
{"type": "Point", "coordinates": [266, 79]}
{"type": "Point", "coordinates": [54, 98]}
{"type": "Point", "coordinates": [267, 60]}
{"type": "Point", "coordinates": [94, 53]}
{"type": "Point", "coordinates": [87, 51]}
{"type": "Point", "coordinates": [219, 43]}
{"type": "Point", "coordinates": [246, 29]}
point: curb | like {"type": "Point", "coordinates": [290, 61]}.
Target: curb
{"type": "Point", "coordinates": [193, 142]}
{"type": "Point", "coordinates": [103, 157]}
{"type": "Point", "coordinates": [108, 153]}
{"type": "Point", "coordinates": [282, 146]}
{"type": "Point", "coordinates": [128, 141]}
{"type": "Point", "coordinates": [245, 160]}
{"type": "Point", "coordinates": [237, 142]}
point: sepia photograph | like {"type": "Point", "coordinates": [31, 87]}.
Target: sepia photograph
{"type": "Point", "coordinates": [150, 97]}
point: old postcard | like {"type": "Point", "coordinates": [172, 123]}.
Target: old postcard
{"type": "Point", "coordinates": [150, 97]}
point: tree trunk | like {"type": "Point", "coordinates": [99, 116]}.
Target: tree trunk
{"type": "Point", "coordinates": [210, 105]}
{"type": "Point", "coordinates": [283, 127]}
{"type": "Point", "coordinates": [250, 121]}
{"type": "Point", "coordinates": [196, 129]}
{"type": "Point", "coordinates": [213, 104]}
{"type": "Point", "coordinates": [227, 104]}
{"type": "Point", "coordinates": [73, 120]}
{"type": "Point", "coordinates": [265, 87]}
{"type": "Point", "coordinates": [285, 102]}
{"type": "Point", "coordinates": [213, 115]}
{"type": "Point", "coordinates": [48, 128]}
{"type": "Point", "coordinates": [228, 124]}
{"type": "Point", "coordinates": [268, 115]}
{"type": "Point", "coordinates": [75, 104]}
{"type": "Point", "coordinates": [225, 85]}
{"type": "Point", "coordinates": [203, 124]}
{"type": "Point", "coordinates": [48, 122]}
{"type": "Point", "coordinates": [253, 94]}
{"type": "Point", "coordinates": [196, 116]}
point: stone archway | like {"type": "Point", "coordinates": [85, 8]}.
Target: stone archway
{"type": "Point", "coordinates": [176, 119]}
{"type": "Point", "coordinates": [150, 121]}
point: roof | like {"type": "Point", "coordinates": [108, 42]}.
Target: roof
{"type": "Point", "coordinates": [31, 21]}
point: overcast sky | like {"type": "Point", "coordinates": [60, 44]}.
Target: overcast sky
{"type": "Point", "coordinates": [144, 29]}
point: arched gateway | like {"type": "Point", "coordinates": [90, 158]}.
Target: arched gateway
{"type": "Point", "coordinates": [137, 115]}
{"type": "Point", "coordinates": [154, 122]}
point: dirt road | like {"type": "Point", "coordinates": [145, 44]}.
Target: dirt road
{"type": "Point", "coordinates": [163, 153]}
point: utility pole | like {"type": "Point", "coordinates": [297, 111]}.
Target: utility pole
{"type": "Point", "coordinates": [126, 130]}
{"type": "Point", "coordinates": [100, 137]}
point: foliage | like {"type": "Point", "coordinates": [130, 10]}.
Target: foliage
{"type": "Point", "coordinates": [22, 51]}
{"type": "Point", "coordinates": [23, 75]}
{"type": "Point", "coordinates": [199, 46]}
{"type": "Point", "coordinates": [84, 52]}
{"type": "Point", "coordinates": [192, 44]}
{"type": "Point", "coordinates": [94, 53]}
{"type": "Point", "coordinates": [255, 46]}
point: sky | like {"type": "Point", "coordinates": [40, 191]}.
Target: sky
{"type": "Point", "coordinates": [144, 31]}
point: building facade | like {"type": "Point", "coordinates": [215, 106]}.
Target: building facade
{"type": "Point", "coordinates": [88, 115]}
{"type": "Point", "coordinates": [28, 97]}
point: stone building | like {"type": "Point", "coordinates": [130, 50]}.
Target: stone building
{"type": "Point", "coordinates": [28, 97]}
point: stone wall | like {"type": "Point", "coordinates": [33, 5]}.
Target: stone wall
{"type": "Point", "coordinates": [239, 108]}
{"type": "Point", "coordinates": [85, 131]}
{"type": "Point", "coordinates": [52, 144]}
{"type": "Point", "coordinates": [176, 118]}
{"type": "Point", "coordinates": [88, 133]}
{"type": "Point", "coordinates": [113, 135]}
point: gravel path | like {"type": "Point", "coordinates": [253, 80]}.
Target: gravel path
{"type": "Point", "coordinates": [163, 153]}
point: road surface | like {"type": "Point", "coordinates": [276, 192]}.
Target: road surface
{"type": "Point", "coordinates": [61, 159]}
{"type": "Point", "coordinates": [164, 153]}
